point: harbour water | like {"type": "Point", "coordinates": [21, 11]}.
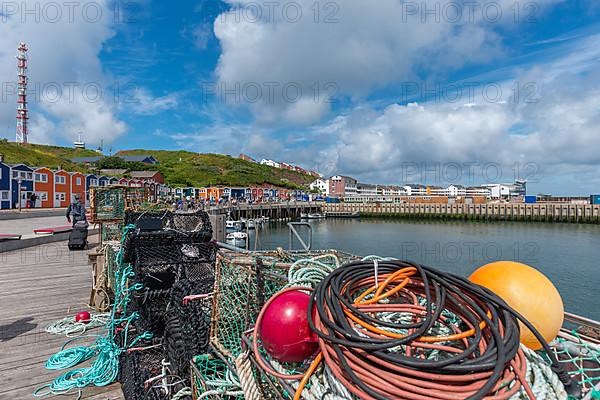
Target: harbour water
{"type": "Point", "coordinates": [568, 254]}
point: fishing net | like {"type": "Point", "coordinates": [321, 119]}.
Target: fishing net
{"type": "Point", "coordinates": [582, 361]}
{"type": "Point", "coordinates": [244, 282]}
{"type": "Point", "coordinates": [137, 368]}
{"type": "Point", "coordinates": [107, 204]}
{"type": "Point", "coordinates": [197, 221]}
{"type": "Point", "coordinates": [187, 324]}
{"type": "Point", "coordinates": [213, 379]}
{"type": "Point", "coordinates": [111, 231]}
{"type": "Point", "coordinates": [135, 197]}
{"type": "Point", "coordinates": [151, 306]}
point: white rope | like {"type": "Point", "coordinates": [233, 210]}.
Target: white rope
{"type": "Point", "coordinates": [247, 382]}
{"type": "Point", "coordinates": [70, 328]}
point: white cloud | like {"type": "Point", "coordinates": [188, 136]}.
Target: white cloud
{"type": "Point", "coordinates": [64, 47]}
{"type": "Point", "coordinates": [144, 103]}
{"type": "Point", "coordinates": [558, 132]}
{"type": "Point", "coordinates": [368, 48]}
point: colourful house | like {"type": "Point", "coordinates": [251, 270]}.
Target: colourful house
{"type": "Point", "coordinates": [62, 188]}
{"type": "Point", "coordinates": [22, 184]}
{"type": "Point", "coordinates": [5, 187]}
{"type": "Point", "coordinates": [103, 181]}
{"type": "Point", "coordinates": [91, 181]}
{"type": "Point", "coordinates": [43, 186]}
{"type": "Point", "coordinates": [78, 184]}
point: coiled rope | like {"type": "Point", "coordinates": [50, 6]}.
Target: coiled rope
{"type": "Point", "coordinates": [105, 367]}
{"type": "Point", "coordinates": [71, 328]}
{"type": "Point", "coordinates": [482, 358]}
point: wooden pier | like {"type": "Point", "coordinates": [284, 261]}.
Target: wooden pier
{"type": "Point", "coordinates": [275, 211]}
{"type": "Point", "coordinates": [540, 212]}
{"type": "Point", "coordinates": [40, 285]}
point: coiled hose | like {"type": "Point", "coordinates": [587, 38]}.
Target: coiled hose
{"type": "Point", "coordinates": [377, 357]}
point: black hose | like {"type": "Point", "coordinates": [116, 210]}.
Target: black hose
{"type": "Point", "coordinates": [440, 291]}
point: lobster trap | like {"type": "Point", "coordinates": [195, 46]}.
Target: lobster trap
{"type": "Point", "coordinates": [109, 204]}
{"type": "Point", "coordinates": [213, 379]}
{"type": "Point", "coordinates": [111, 231]}
{"type": "Point", "coordinates": [187, 325]}
{"type": "Point", "coordinates": [243, 283]}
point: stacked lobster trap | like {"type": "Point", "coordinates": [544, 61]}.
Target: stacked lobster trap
{"type": "Point", "coordinates": [172, 259]}
{"type": "Point", "coordinates": [244, 281]}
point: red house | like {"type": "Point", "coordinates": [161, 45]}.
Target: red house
{"type": "Point", "coordinates": [43, 186]}
{"type": "Point", "coordinates": [62, 188]}
{"type": "Point", "coordinates": [77, 184]}
{"type": "Point", "coordinates": [148, 176]}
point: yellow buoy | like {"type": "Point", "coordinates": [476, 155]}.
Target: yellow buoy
{"type": "Point", "coordinates": [529, 292]}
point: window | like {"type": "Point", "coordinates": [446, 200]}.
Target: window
{"type": "Point", "coordinates": [4, 196]}
{"type": "Point", "coordinates": [40, 177]}
{"type": "Point", "coordinates": [78, 181]}
{"type": "Point", "coordinates": [15, 174]}
{"type": "Point", "coordinates": [30, 176]}
{"type": "Point", "coordinates": [59, 196]}
{"type": "Point", "coordinates": [43, 196]}
{"type": "Point", "coordinates": [93, 182]}
{"type": "Point", "coordinates": [59, 179]}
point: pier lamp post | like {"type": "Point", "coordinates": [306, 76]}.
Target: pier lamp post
{"type": "Point", "coordinates": [19, 194]}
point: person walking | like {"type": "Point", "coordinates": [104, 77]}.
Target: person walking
{"type": "Point", "coordinates": [76, 211]}
{"type": "Point", "coordinates": [33, 199]}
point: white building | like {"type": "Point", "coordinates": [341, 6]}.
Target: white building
{"type": "Point", "coordinates": [456, 191]}
{"type": "Point", "coordinates": [270, 163]}
{"type": "Point", "coordinates": [506, 190]}
{"type": "Point", "coordinates": [322, 185]}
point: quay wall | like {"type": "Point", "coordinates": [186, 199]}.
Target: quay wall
{"type": "Point", "coordinates": [541, 212]}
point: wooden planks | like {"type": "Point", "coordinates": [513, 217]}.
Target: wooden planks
{"type": "Point", "coordinates": [40, 285]}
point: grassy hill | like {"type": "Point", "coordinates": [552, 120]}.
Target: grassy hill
{"type": "Point", "coordinates": [186, 168]}
{"type": "Point", "coordinates": [35, 155]}
{"type": "Point", "coordinates": [180, 168]}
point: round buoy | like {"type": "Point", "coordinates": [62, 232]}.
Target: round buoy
{"type": "Point", "coordinates": [284, 330]}
{"type": "Point", "coordinates": [83, 316]}
{"type": "Point", "coordinates": [529, 292]}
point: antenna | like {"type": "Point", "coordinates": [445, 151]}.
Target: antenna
{"type": "Point", "coordinates": [22, 111]}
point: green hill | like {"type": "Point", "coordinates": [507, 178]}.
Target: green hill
{"type": "Point", "coordinates": [186, 168]}
{"type": "Point", "coordinates": [180, 168]}
{"type": "Point", "coordinates": [36, 155]}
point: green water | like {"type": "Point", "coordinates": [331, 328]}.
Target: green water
{"type": "Point", "coordinates": [568, 254]}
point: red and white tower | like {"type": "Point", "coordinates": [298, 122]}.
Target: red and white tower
{"type": "Point", "coordinates": [22, 112]}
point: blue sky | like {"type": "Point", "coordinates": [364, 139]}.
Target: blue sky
{"type": "Point", "coordinates": [388, 94]}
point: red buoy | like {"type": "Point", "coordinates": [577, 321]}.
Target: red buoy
{"type": "Point", "coordinates": [83, 316]}
{"type": "Point", "coordinates": [284, 330]}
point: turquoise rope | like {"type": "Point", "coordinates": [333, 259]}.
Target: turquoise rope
{"type": "Point", "coordinates": [105, 368]}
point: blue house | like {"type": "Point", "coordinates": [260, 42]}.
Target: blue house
{"type": "Point", "coordinates": [103, 181]}
{"type": "Point", "coordinates": [5, 187]}
{"type": "Point", "coordinates": [113, 181]}
{"type": "Point", "coordinates": [23, 174]}
{"type": "Point", "coordinates": [90, 182]}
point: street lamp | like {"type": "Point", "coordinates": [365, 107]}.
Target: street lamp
{"type": "Point", "coordinates": [19, 193]}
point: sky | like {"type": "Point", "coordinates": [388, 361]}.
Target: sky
{"type": "Point", "coordinates": [391, 92]}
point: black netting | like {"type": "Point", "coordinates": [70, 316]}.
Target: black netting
{"type": "Point", "coordinates": [139, 367]}
{"type": "Point", "coordinates": [148, 239]}
{"type": "Point", "coordinates": [187, 327]}
{"type": "Point", "coordinates": [151, 305]}
{"type": "Point", "coordinates": [198, 221]}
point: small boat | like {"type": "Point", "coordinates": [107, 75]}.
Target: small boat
{"type": "Point", "coordinates": [303, 216]}
{"type": "Point", "coordinates": [232, 226]}
{"type": "Point", "coordinates": [237, 239]}
{"type": "Point", "coordinates": [316, 216]}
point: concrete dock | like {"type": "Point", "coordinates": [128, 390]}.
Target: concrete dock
{"type": "Point", "coordinates": [40, 285]}
{"type": "Point", "coordinates": [540, 212]}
